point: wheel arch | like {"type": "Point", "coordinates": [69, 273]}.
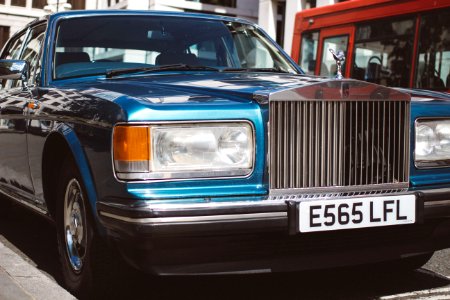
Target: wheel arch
{"type": "Point", "coordinates": [60, 144]}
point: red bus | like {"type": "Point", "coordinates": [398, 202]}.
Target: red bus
{"type": "Point", "coordinates": [403, 43]}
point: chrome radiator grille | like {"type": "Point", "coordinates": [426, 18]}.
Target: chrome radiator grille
{"type": "Point", "coordinates": [338, 143]}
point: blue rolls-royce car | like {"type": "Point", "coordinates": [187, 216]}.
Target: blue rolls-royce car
{"type": "Point", "coordinates": [193, 144]}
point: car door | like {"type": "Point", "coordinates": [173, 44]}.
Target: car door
{"type": "Point", "coordinates": [38, 127]}
{"type": "Point", "coordinates": [15, 177]}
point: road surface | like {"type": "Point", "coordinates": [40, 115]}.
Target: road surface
{"type": "Point", "coordinates": [34, 239]}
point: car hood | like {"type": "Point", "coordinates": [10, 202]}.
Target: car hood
{"type": "Point", "coordinates": [192, 87]}
{"type": "Point", "coordinates": [215, 95]}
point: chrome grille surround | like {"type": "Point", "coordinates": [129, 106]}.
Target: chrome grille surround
{"type": "Point", "coordinates": [321, 138]}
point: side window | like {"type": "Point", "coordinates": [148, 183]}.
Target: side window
{"type": "Point", "coordinates": [308, 54]}
{"type": "Point", "coordinates": [383, 52]}
{"type": "Point", "coordinates": [32, 51]}
{"type": "Point", "coordinates": [433, 61]}
{"type": "Point", "coordinates": [12, 51]}
{"type": "Point", "coordinates": [328, 66]}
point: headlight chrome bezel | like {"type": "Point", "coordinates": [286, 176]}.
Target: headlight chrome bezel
{"type": "Point", "coordinates": [186, 175]}
{"type": "Point", "coordinates": [434, 161]}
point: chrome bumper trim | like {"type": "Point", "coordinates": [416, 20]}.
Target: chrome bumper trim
{"type": "Point", "coordinates": [198, 219]}
{"type": "Point", "coordinates": [279, 198]}
{"type": "Point", "coordinates": [194, 206]}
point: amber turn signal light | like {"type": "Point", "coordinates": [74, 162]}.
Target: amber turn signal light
{"type": "Point", "coordinates": [131, 143]}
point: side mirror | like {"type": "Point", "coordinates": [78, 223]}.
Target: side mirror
{"type": "Point", "coordinates": [14, 70]}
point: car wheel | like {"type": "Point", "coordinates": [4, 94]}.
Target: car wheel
{"type": "Point", "coordinates": [83, 255]}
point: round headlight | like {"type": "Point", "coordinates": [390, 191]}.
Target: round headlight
{"type": "Point", "coordinates": [425, 140]}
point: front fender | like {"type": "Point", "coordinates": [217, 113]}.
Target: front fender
{"type": "Point", "coordinates": [77, 152]}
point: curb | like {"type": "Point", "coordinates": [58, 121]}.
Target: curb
{"type": "Point", "coordinates": [21, 280]}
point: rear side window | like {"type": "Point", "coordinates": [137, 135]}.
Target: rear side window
{"type": "Point", "coordinates": [383, 52]}
{"type": "Point", "coordinates": [433, 61]}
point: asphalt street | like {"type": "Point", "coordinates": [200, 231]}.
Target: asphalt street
{"type": "Point", "coordinates": [34, 240]}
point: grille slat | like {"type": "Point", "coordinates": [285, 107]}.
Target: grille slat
{"type": "Point", "coordinates": [338, 143]}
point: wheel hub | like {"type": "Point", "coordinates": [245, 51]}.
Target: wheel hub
{"type": "Point", "coordinates": [74, 219]}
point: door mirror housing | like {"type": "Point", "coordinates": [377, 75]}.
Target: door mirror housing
{"type": "Point", "coordinates": [14, 70]}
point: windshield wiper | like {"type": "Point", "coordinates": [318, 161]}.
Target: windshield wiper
{"type": "Point", "coordinates": [274, 70]}
{"type": "Point", "coordinates": [174, 67]}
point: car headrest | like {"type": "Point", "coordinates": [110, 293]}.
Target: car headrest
{"type": "Point", "coordinates": [71, 57]}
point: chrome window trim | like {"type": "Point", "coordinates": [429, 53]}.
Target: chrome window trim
{"type": "Point", "coordinates": [187, 122]}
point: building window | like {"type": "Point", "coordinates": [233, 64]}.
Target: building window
{"type": "Point", "coordinates": [281, 9]}
{"type": "Point", "coordinates": [208, 12]}
{"type": "Point", "coordinates": [77, 4]}
{"type": "Point", "coordinates": [4, 35]}
{"type": "Point", "coordinates": [39, 3]}
{"type": "Point", "coordinates": [229, 3]}
{"type": "Point", "coordinates": [311, 4]}
{"type": "Point", "coordinates": [18, 2]}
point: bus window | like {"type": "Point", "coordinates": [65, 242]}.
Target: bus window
{"type": "Point", "coordinates": [308, 54]}
{"type": "Point", "coordinates": [328, 65]}
{"type": "Point", "coordinates": [433, 63]}
{"type": "Point", "coordinates": [383, 52]}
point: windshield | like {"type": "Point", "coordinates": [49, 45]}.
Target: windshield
{"type": "Point", "coordinates": [94, 46]}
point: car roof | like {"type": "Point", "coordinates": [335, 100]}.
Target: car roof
{"type": "Point", "coordinates": [125, 12]}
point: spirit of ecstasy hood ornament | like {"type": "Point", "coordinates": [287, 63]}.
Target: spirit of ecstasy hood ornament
{"type": "Point", "coordinates": [339, 57]}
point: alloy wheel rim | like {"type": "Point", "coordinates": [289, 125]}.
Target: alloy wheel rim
{"type": "Point", "coordinates": [74, 225]}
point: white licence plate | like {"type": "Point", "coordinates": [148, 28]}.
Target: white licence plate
{"type": "Point", "coordinates": [324, 215]}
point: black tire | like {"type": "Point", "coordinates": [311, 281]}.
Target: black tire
{"type": "Point", "coordinates": [87, 270]}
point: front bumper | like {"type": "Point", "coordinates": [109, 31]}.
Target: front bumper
{"type": "Point", "coordinates": [254, 236]}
